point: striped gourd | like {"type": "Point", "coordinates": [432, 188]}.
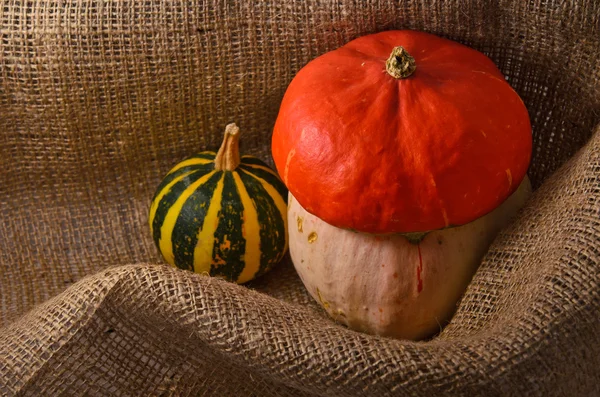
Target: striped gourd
{"type": "Point", "coordinates": [221, 214]}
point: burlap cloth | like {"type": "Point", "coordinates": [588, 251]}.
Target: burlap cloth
{"type": "Point", "coordinates": [98, 99]}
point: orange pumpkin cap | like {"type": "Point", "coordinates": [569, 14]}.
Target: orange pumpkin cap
{"type": "Point", "coordinates": [441, 144]}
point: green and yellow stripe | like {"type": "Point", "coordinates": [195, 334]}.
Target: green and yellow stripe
{"type": "Point", "coordinates": [229, 224]}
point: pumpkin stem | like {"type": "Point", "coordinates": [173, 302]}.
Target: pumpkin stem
{"type": "Point", "coordinates": [400, 64]}
{"type": "Point", "coordinates": [228, 156]}
{"type": "Point", "coordinates": [415, 238]}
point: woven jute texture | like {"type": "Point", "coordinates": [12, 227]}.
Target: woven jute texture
{"type": "Point", "coordinates": [98, 99]}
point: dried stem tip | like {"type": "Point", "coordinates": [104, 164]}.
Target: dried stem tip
{"type": "Point", "coordinates": [400, 64]}
{"type": "Point", "coordinates": [228, 156]}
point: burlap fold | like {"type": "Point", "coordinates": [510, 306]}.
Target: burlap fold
{"type": "Point", "coordinates": [98, 99]}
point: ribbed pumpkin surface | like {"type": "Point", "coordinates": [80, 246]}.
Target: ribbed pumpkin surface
{"type": "Point", "coordinates": [207, 220]}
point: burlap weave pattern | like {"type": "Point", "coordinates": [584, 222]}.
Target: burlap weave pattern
{"type": "Point", "coordinates": [98, 99]}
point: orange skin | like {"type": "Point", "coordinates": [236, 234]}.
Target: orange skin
{"type": "Point", "coordinates": [365, 151]}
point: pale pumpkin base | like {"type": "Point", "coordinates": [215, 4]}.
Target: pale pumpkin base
{"type": "Point", "coordinates": [386, 285]}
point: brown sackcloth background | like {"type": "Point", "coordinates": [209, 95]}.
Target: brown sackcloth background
{"type": "Point", "coordinates": [98, 99]}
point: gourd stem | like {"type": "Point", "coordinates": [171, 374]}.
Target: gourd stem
{"type": "Point", "coordinates": [400, 64]}
{"type": "Point", "coordinates": [228, 156]}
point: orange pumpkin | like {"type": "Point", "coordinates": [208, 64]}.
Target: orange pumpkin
{"type": "Point", "coordinates": [401, 131]}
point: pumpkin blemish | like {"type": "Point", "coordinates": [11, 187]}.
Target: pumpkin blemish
{"type": "Point", "coordinates": [299, 221]}
{"type": "Point", "coordinates": [324, 303]}
{"type": "Point", "coordinates": [395, 275]}
{"type": "Point", "coordinates": [286, 170]}
{"type": "Point", "coordinates": [312, 237]}
{"type": "Point", "coordinates": [445, 215]}
{"type": "Point", "coordinates": [419, 270]}
{"type": "Point", "coordinates": [509, 177]}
